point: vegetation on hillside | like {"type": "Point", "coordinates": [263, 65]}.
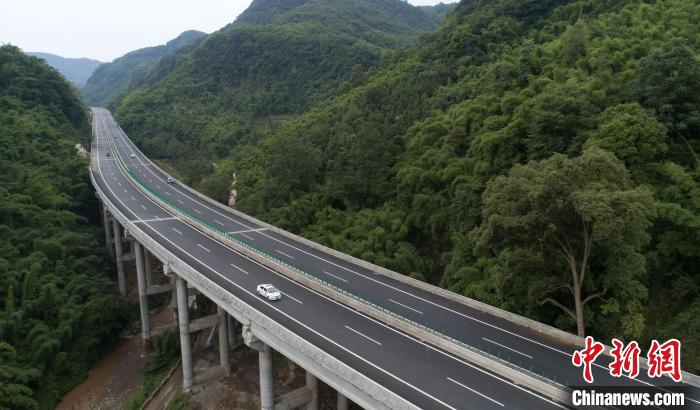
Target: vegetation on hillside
{"type": "Point", "coordinates": [111, 81]}
{"type": "Point", "coordinates": [76, 70]}
{"type": "Point", "coordinates": [277, 60]}
{"type": "Point", "coordinates": [58, 309]}
{"type": "Point", "coordinates": [438, 165]}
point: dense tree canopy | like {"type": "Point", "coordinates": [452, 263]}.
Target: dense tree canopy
{"type": "Point", "coordinates": [58, 309]}
{"type": "Point", "coordinates": [111, 81]}
{"type": "Point", "coordinates": [276, 61]}
{"type": "Point", "coordinates": [574, 228]}
{"type": "Point", "coordinates": [400, 159]}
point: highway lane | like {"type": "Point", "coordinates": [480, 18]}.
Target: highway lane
{"type": "Point", "coordinates": [495, 335]}
{"type": "Point", "coordinates": [422, 374]}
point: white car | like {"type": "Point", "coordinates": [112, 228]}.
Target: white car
{"type": "Point", "coordinates": [170, 180]}
{"type": "Point", "coordinates": [132, 155]}
{"type": "Point", "coordinates": [269, 292]}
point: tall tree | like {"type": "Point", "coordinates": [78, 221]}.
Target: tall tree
{"type": "Point", "coordinates": [581, 216]}
{"type": "Point", "coordinates": [668, 82]}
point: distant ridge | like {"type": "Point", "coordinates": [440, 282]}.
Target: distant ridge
{"type": "Point", "coordinates": [76, 70]}
{"type": "Point", "coordinates": [111, 80]}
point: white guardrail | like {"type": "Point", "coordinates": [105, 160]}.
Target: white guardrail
{"type": "Point", "coordinates": [353, 384]}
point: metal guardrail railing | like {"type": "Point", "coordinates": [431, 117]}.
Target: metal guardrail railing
{"type": "Point", "coordinates": [495, 355]}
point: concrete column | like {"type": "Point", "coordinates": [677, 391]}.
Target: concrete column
{"type": "Point", "coordinates": [312, 384]}
{"type": "Point", "coordinates": [231, 331]}
{"type": "Point", "coordinates": [267, 392]}
{"type": "Point", "coordinates": [342, 402]}
{"type": "Point", "coordinates": [143, 296]}
{"type": "Point", "coordinates": [118, 256]}
{"type": "Point", "coordinates": [149, 267]}
{"type": "Point", "coordinates": [223, 340]}
{"type": "Point", "coordinates": [108, 229]}
{"type": "Point", "coordinates": [173, 293]}
{"type": "Point", "coordinates": [185, 343]}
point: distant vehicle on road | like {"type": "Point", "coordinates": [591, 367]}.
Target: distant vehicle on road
{"type": "Point", "coordinates": [108, 155]}
{"type": "Point", "coordinates": [269, 292]}
{"type": "Point", "coordinates": [170, 180]}
{"type": "Point", "coordinates": [132, 155]}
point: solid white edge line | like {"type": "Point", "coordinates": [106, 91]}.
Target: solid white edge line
{"type": "Point", "coordinates": [419, 298]}
{"type": "Point", "coordinates": [300, 323]}
{"type": "Point", "coordinates": [371, 319]}
{"type": "Point", "coordinates": [427, 301]}
{"type": "Point", "coordinates": [281, 312]}
{"type": "Point", "coordinates": [303, 325]}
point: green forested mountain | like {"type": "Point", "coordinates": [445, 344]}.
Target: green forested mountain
{"type": "Point", "coordinates": [277, 60]}
{"type": "Point", "coordinates": [76, 70]}
{"type": "Point", "coordinates": [541, 156]}
{"type": "Point", "coordinates": [58, 309]}
{"type": "Point", "coordinates": [111, 81]}
{"type": "Point", "coordinates": [420, 169]}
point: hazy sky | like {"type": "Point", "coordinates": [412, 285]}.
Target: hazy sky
{"type": "Point", "coordinates": [104, 30]}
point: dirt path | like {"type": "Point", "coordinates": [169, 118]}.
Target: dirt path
{"type": "Point", "coordinates": [115, 378]}
{"type": "Point", "coordinates": [161, 399]}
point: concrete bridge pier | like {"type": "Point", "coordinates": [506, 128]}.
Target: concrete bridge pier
{"type": "Point", "coordinates": [108, 228]}
{"type": "Point", "coordinates": [224, 354]}
{"type": "Point", "coordinates": [267, 387]}
{"type": "Point", "coordinates": [149, 267]}
{"type": "Point", "coordinates": [312, 385]}
{"type": "Point", "coordinates": [143, 297]}
{"type": "Point", "coordinates": [185, 341]}
{"type": "Point", "coordinates": [302, 398]}
{"type": "Point", "coordinates": [118, 256]}
{"type": "Point", "coordinates": [342, 402]}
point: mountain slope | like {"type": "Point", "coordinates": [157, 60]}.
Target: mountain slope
{"type": "Point", "coordinates": [277, 60]}
{"type": "Point", "coordinates": [111, 80]}
{"type": "Point", "coordinates": [76, 70]}
{"type": "Point", "coordinates": [58, 310]}
{"type": "Point", "coordinates": [394, 171]}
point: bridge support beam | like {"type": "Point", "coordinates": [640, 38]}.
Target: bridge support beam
{"type": "Point", "coordinates": [233, 339]}
{"type": "Point", "coordinates": [267, 388]}
{"type": "Point", "coordinates": [342, 402]}
{"type": "Point", "coordinates": [148, 266]}
{"type": "Point", "coordinates": [224, 352]}
{"type": "Point", "coordinates": [173, 295]}
{"type": "Point", "coordinates": [267, 392]}
{"type": "Point", "coordinates": [143, 297]}
{"type": "Point", "coordinates": [185, 341]}
{"type": "Point", "coordinates": [312, 384]}
{"type": "Point", "coordinates": [108, 228]}
{"type": "Point", "coordinates": [118, 256]}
